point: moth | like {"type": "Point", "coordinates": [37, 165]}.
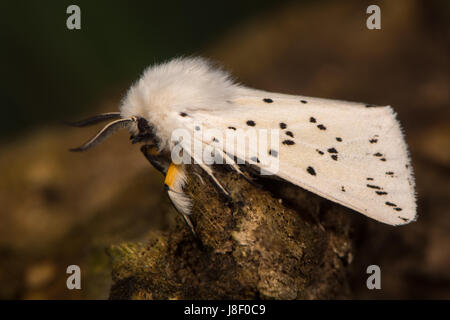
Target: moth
{"type": "Point", "coordinates": [351, 153]}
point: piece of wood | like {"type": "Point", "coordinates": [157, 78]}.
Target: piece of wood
{"type": "Point", "coordinates": [274, 241]}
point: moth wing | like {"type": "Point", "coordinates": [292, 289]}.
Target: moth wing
{"type": "Point", "coordinates": [349, 153]}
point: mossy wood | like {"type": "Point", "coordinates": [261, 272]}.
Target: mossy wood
{"type": "Point", "coordinates": [273, 241]}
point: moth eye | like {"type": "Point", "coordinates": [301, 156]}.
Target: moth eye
{"type": "Point", "coordinates": [143, 125]}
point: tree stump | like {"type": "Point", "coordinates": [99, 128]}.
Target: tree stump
{"type": "Point", "coordinates": [273, 241]}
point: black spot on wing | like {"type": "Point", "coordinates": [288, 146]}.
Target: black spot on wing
{"type": "Point", "coordinates": [311, 171]}
{"type": "Point", "coordinates": [383, 159]}
{"type": "Point", "coordinates": [378, 154]}
{"type": "Point", "coordinates": [255, 159]}
{"type": "Point", "coordinates": [398, 209]}
{"type": "Point", "coordinates": [404, 219]}
{"type": "Point", "coordinates": [251, 123]}
{"type": "Point", "coordinates": [381, 193]}
{"type": "Point", "coordinates": [303, 101]}
{"type": "Point", "coordinates": [197, 128]}
{"type": "Point", "coordinates": [334, 157]}
{"type": "Point", "coordinates": [290, 134]}
{"type": "Point", "coordinates": [319, 152]}
{"type": "Point", "coordinates": [273, 153]}
{"type": "Point", "coordinates": [312, 120]}
{"type": "Point", "coordinates": [183, 114]}
{"type": "Point", "coordinates": [369, 179]}
{"type": "Point", "coordinates": [267, 100]}
{"type": "Point", "coordinates": [390, 204]}
{"type": "Point", "coordinates": [342, 189]}
{"type": "Point", "coordinates": [332, 150]}
{"type": "Point", "coordinates": [283, 125]}
{"type": "Point", "coordinates": [390, 173]}
{"type": "Point", "coordinates": [288, 142]}
{"type": "Point", "coordinates": [232, 128]}
{"type": "Point", "coordinates": [373, 186]}
{"type": "Point", "coordinates": [374, 139]}
{"type": "Point", "coordinates": [339, 139]}
{"type": "Point", "coordinates": [321, 127]}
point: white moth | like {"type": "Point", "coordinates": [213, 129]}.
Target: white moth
{"type": "Point", "coordinates": [350, 153]}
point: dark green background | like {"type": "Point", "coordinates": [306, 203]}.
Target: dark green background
{"type": "Point", "coordinates": [52, 73]}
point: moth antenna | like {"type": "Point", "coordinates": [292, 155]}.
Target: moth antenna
{"type": "Point", "coordinates": [94, 120]}
{"type": "Point", "coordinates": [108, 130]}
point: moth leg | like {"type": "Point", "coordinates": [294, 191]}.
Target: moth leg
{"type": "Point", "coordinates": [173, 183]}
{"type": "Point", "coordinates": [188, 223]}
{"type": "Point", "coordinates": [230, 161]}
{"type": "Point", "coordinates": [151, 153]}
{"type": "Point", "coordinates": [216, 182]}
{"type": "Point", "coordinates": [210, 173]}
{"type": "Point", "coordinates": [199, 177]}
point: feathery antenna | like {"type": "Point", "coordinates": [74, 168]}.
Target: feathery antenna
{"type": "Point", "coordinates": [95, 119]}
{"type": "Point", "coordinates": [108, 130]}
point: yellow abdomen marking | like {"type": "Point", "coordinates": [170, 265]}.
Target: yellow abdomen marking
{"type": "Point", "coordinates": [171, 175]}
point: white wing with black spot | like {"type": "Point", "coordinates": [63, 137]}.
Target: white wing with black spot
{"type": "Point", "coordinates": [350, 153]}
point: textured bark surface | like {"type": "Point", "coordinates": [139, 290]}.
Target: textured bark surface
{"type": "Point", "coordinates": [257, 246]}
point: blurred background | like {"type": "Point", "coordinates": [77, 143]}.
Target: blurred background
{"type": "Point", "coordinates": [59, 208]}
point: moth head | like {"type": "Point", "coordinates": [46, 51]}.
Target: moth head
{"type": "Point", "coordinates": [141, 130]}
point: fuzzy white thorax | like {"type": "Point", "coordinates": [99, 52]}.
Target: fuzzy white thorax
{"type": "Point", "coordinates": [179, 85]}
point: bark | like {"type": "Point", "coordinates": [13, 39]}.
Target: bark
{"type": "Point", "coordinates": [272, 241]}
